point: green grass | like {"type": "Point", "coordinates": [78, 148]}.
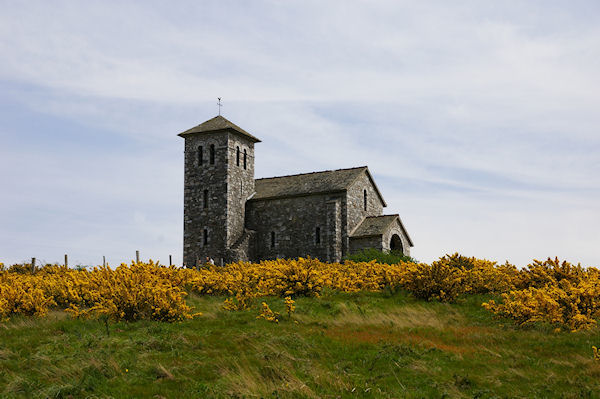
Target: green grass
{"type": "Point", "coordinates": [339, 345]}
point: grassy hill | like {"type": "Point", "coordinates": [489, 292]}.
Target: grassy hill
{"type": "Point", "coordinates": [340, 345]}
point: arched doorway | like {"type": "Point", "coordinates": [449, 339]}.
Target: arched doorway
{"type": "Point", "coordinates": [396, 244]}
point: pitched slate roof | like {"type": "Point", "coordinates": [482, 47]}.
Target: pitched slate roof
{"type": "Point", "coordinates": [217, 124]}
{"type": "Point", "coordinates": [376, 226]}
{"type": "Point", "coordinates": [327, 181]}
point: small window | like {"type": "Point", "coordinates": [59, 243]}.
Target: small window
{"type": "Point", "coordinates": [237, 157]}
{"type": "Point", "coordinates": [205, 237]}
{"type": "Point", "coordinates": [212, 154]}
{"type": "Point", "coordinates": [365, 199]}
{"type": "Point", "coordinates": [318, 235]}
{"type": "Point", "coordinates": [205, 204]}
{"type": "Point", "coordinates": [245, 158]}
{"type": "Point", "coordinates": [200, 156]}
{"type": "Point", "coordinates": [272, 239]}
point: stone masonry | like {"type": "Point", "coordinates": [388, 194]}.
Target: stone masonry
{"type": "Point", "coordinates": [230, 216]}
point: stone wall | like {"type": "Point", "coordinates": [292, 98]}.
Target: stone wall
{"type": "Point", "coordinates": [196, 216]}
{"type": "Point", "coordinates": [333, 232]}
{"type": "Point", "coordinates": [228, 185]}
{"type": "Point", "coordinates": [381, 242]}
{"type": "Point", "coordinates": [240, 184]}
{"type": "Point", "coordinates": [354, 212]}
{"type": "Point", "coordinates": [243, 249]}
{"type": "Point", "coordinates": [294, 222]}
{"type": "Point", "coordinates": [395, 228]}
{"type": "Point", "coordinates": [358, 244]}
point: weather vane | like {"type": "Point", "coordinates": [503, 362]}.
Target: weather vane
{"type": "Point", "coordinates": [219, 104]}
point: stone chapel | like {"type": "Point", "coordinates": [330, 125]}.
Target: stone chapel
{"type": "Point", "coordinates": [230, 216]}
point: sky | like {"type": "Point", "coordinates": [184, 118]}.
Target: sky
{"type": "Point", "coordinates": [478, 119]}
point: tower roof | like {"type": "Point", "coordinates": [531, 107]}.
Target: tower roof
{"type": "Point", "coordinates": [218, 124]}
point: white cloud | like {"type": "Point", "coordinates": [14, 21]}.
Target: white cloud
{"type": "Point", "coordinates": [479, 117]}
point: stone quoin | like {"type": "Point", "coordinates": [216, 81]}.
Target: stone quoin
{"type": "Point", "coordinates": [231, 216]}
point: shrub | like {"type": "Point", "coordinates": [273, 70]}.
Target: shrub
{"type": "Point", "coordinates": [546, 291]}
{"type": "Point", "coordinates": [438, 281]}
{"type": "Point", "coordinates": [23, 294]}
{"type": "Point", "coordinates": [267, 314]}
{"type": "Point", "coordinates": [370, 254]}
{"type": "Point", "coordinates": [22, 268]}
{"type": "Point", "coordinates": [458, 261]}
{"type": "Point", "coordinates": [290, 306]}
{"type": "Point", "coordinates": [550, 272]}
{"type": "Point", "coordinates": [569, 296]}
{"type": "Point", "coordinates": [132, 293]}
{"type": "Point", "coordinates": [302, 277]}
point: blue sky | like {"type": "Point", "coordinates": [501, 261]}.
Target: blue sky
{"type": "Point", "coordinates": [479, 120]}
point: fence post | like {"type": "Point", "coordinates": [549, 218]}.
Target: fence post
{"type": "Point", "coordinates": [170, 261]}
{"type": "Point", "coordinates": [137, 256]}
{"type": "Point", "coordinates": [66, 261]}
{"type": "Point", "coordinates": [32, 265]}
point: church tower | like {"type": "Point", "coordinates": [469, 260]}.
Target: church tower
{"type": "Point", "coordinates": [218, 179]}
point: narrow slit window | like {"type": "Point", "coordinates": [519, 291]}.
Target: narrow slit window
{"type": "Point", "coordinates": [272, 239]}
{"type": "Point", "coordinates": [205, 237]}
{"type": "Point", "coordinates": [212, 154]}
{"type": "Point", "coordinates": [200, 156]}
{"type": "Point", "coordinates": [237, 157]}
{"type": "Point", "coordinates": [205, 202]}
{"type": "Point", "coordinates": [245, 156]}
{"type": "Point", "coordinates": [318, 235]}
{"type": "Point", "coordinates": [365, 199]}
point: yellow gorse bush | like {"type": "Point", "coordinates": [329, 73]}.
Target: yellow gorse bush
{"type": "Point", "coordinates": [556, 293]}
{"type": "Point", "coordinates": [25, 295]}
{"type": "Point", "coordinates": [545, 291]}
{"type": "Point", "coordinates": [138, 291]}
{"type": "Point", "coordinates": [267, 314]}
{"type": "Point", "coordinates": [290, 306]}
{"type": "Point", "coordinates": [438, 281]}
{"type": "Point", "coordinates": [132, 293]}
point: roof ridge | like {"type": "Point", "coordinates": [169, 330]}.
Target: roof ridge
{"type": "Point", "coordinates": [311, 173]}
{"type": "Point", "coordinates": [381, 216]}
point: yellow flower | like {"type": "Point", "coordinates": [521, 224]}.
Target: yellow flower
{"type": "Point", "coordinates": [289, 306]}
{"type": "Point", "coordinates": [267, 314]}
{"type": "Point", "coordinates": [550, 291]}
